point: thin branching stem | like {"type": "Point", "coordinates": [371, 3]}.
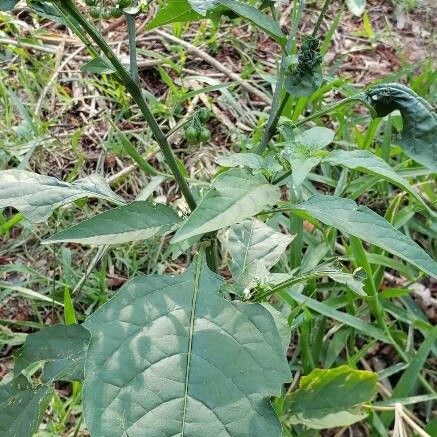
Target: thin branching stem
{"type": "Point", "coordinates": [69, 9]}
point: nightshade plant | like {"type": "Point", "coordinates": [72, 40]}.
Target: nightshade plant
{"type": "Point", "coordinates": [194, 354]}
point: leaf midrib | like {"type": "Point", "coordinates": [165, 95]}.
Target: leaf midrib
{"type": "Point", "coordinates": [190, 341]}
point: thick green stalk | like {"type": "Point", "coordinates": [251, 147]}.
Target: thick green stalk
{"type": "Point", "coordinates": [280, 100]}
{"type": "Point", "coordinates": [68, 7]}
{"type": "Point", "coordinates": [132, 36]}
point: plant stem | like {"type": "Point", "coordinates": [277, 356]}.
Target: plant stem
{"type": "Point", "coordinates": [132, 35]}
{"type": "Point", "coordinates": [69, 9]}
{"type": "Point", "coordinates": [280, 101]}
{"type": "Point", "coordinates": [321, 16]}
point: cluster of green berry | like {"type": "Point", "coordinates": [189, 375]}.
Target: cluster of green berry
{"type": "Point", "coordinates": [107, 9]}
{"type": "Point", "coordinates": [195, 130]}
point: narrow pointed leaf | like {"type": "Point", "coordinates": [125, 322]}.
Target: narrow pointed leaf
{"type": "Point", "coordinates": [360, 221]}
{"type": "Point", "coordinates": [98, 65]}
{"type": "Point", "coordinates": [264, 22]}
{"type": "Point", "coordinates": [37, 196]}
{"type": "Point", "coordinates": [21, 407]}
{"type": "Point", "coordinates": [136, 221]}
{"type": "Point", "coordinates": [233, 197]}
{"type": "Point", "coordinates": [367, 162]}
{"type": "Point", "coordinates": [60, 347]}
{"type": "Point", "coordinates": [170, 355]}
{"type": "Point", "coordinates": [330, 398]}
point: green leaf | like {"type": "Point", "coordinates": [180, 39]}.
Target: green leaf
{"type": "Point", "coordinates": [316, 138]}
{"type": "Point", "coordinates": [203, 6]}
{"type": "Point", "coordinates": [303, 152]}
{"type": "Point", "coordinates": [69, 313]}
{"type": "Point", "coordinates": [419, 133]}
{"type": "Point", "coordinates": [180, 11]}
{"type": "Point", "coordinates": [233, 197]}
{"type": "Point", "coordinates": [249, 160]}
{"type": "Point", "coordinates": [21, 407]}
{"type": "Point", "coordinates": [37, 196]}
{"type": "Point", "coordinates": [254, 248]}
{"type": "Point", "coordinates": [367, 162]}
{"type": "Point", "coordinates": [98, 65]}
{"type": "Point", "coordinates": [281, 323]}
{"type": "Point", "coordinates": [7, 5]}
{"type": "Point", "coordinates": [136, 221]}
{"type": "Point", "coordinates": [264, 22]}
{"type": "Point", "coordinates": [353, 280]}
{"type": "Point", "coordinates": [360, 221]}
{"type": "Point", "coordinates": [170, 354]}
{"type": "Point", "coordinates": [330, 398]}
{"type": "Point", "coordinates": [46, 9]}
{"type": "Point", "coordinates": [60, 347]}
{"type": "Point", "coordinates": [356, 7]}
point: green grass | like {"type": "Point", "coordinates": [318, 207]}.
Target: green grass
{"type": "Point", "coordinates": [69, 139]}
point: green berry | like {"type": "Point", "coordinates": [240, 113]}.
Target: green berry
{"type": "Point", "coordinates": [204, 115]}
{"type": "Point", "coordinates": [204, 134]}
{"type": "Point", "coordinates": [191, 134]}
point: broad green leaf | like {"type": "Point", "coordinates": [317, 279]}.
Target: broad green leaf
{"type": "Point", "coordinates": [303, 152]}
{"type": "Point", "coordinates": [37, 196]}
{"type": "Point", "coordinates": [233, 197]}
{"type": "Point", "coordinates": [264, 22]}
{"type": "Point", "coordinates": [60, 347]}
{"type": "Point", "coordinates": [98, 65]}
{"type": "Point", "coordinates": [22, 407]}
{"type": "Point", "coordinates": [254, 248]}
{"type": "Point", "coordinates": [367, 162]}
{"type": "Point", "coordinates": [136, 221]}
{"type": "Point", "coordinates": [46, 9]}
{"type": "Point", "coordinates": [330, 398]}
{"type": "Point", "coordinates": [179, 11]}
{"type": "Point", "coordinates": [170, 355]}
{"type": "Point", "coordinates": [419, 132]}
{"type": "Point", "coordinates": [281, 323]}
{"type": "Point", "coordinates": [301, 165]}
{"type": "Point", "coordinates": [203, 6]}
{"type": "Point", "coordinates": [356, 7]}
{"type": "Point", "coordinates": [316, 138]}
{"type": "Point", "coordinates": [362, 222]}
{"type": "Point", "coordinates": [249, 160]}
